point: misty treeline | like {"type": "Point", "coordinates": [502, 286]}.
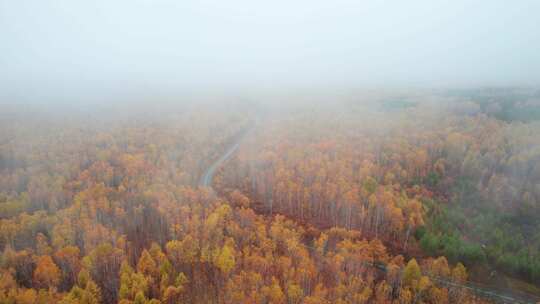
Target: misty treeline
{"type": "Point", "coordinates": [104, 206]}
{"type": "Point", "coordinates": [464, 181]}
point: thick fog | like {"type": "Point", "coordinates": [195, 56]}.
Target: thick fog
{"type": "Point", "coordinates": [53, 50]}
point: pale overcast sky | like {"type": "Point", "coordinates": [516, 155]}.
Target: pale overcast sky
{"type": "Point", "coordinates": [72, 48]}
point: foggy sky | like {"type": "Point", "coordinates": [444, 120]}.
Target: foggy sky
{"type": "Point", "coordinates": [75, 48]}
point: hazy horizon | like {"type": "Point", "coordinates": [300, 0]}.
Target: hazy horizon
{"type": "Point", "coordinates": [74, 51]}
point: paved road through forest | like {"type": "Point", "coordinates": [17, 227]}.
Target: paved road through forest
{"type": "Point", "coordinates": [206, 178]}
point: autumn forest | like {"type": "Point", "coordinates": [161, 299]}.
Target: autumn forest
{"type": "Point", "coordinates": [372, 197]}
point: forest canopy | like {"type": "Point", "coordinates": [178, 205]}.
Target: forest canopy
{"type": "Point", "coordinates": [376, 197]}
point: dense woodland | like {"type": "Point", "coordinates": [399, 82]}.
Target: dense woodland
{"type": "Point", "coordinates": [463, 181]}
{"type": "Point", "coordinates": [381, 198]}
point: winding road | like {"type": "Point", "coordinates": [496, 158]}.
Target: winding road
{"type": "Point", "coordinates": [481, 291]}
{"type": "Point", "coordinates": [206, 178]}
